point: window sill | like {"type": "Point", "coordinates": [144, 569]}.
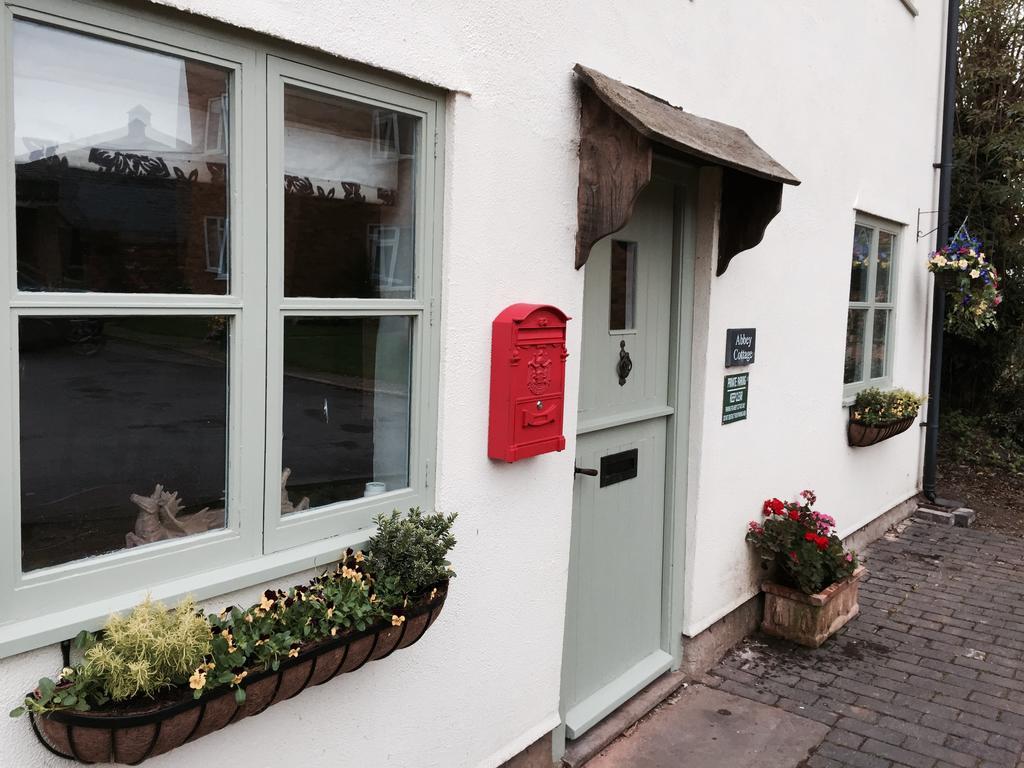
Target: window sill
{"type": "Point", "coordinates": [30, 634]}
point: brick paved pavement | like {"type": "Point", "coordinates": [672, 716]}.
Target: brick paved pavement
{"type": "Point", "coordinates": [930, 675]}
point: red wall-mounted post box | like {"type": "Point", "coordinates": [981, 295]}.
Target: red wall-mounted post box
{"type": "Point", "coordinates": [528, 357]}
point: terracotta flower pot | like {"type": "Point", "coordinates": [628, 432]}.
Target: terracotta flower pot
{"type": "Point", "coordinates": [861, 435]}
{"type": "Point", "coordinates": [135, 733]}
{"type": "Point", "coordinates": [810, 619]}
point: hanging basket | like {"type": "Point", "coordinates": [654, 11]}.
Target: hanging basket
{"type": "Point", "coordinates": [135, 733]}
{"type": "Point", "coordinates": [861, 435]}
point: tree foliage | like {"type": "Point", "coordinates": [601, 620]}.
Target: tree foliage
{"type": "Point", "coordinates": [985, 374]}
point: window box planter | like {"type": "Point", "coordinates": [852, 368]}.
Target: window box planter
{"type": "Point", "coordinates": [810, 619]}
{"type": "Point", "coordinates": [861, 435]}
{"type": "Point", "coordinates": [130, 734]}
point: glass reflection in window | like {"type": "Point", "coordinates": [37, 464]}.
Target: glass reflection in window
{"type": "Point", "coordinates": [120, 155]}
{"type": "Point", "coordinates": [346, 408]}
{"type": "Point", "coordinates": [622, 300]}
{"type": "Point", "coordinates": [862, 237]}
{"type": "Point", "coordinates": [123, 432]}
{"type": "Point", "coordinates": [350, 198]}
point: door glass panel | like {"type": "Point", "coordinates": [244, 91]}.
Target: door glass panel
{"type": "Point", "coordinates": [879, 340]}
{"type": "Point", "coordinates": [883, 265]}
{"type": "Point", "coordinates": [120, 155]}
{"type": "Point", "coordinates": [350, 197]}
{"type": "Point", "coordinates": [346, 408]}
{"type": "Point", "coordinates": [622, 301]}
{"type": "Point", "coordinates": [113, 410]}
{"type": "Point", "coordinates": [856, 325]}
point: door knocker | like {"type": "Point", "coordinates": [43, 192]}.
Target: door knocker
{"type": "Point", "coordinates": [625, 365]}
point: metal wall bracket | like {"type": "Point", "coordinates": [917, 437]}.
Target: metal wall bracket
{"type": "Point", "coordinates": [921, 234]}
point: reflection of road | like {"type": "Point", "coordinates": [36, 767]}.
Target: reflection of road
{"type": "Point", "coordinates": [99, 427]}
{"type": "Point", "coordinates": [333, 436]}
{"type": "Point", "coordinates": [96, 428]}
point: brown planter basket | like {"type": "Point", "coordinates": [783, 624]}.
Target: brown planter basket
{"type": "Point", "coordinates": [861, 435]}
{"type": "Point", "coordinates": [153, 729]}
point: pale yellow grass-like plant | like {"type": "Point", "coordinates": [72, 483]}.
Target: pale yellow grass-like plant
{"type": "Point", "coordinates": [149, 649]}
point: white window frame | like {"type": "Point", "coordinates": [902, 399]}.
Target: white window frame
{"type": "Point", "coordinates": [877, 225]}
{"type": "Point", "coordinates": [51, 604]}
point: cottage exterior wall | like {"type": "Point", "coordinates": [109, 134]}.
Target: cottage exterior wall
{"type": "Point", "coordinates": [844, 95]}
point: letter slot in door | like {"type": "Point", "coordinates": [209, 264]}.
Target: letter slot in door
{"type": "Point", "coordinates": [617, 467]}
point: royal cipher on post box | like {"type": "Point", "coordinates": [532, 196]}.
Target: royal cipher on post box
{"type": "Point", "coordinates": [527, 382]}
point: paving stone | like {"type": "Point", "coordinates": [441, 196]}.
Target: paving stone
{"type": "Point", "coordinates": [937, 516]}
{"type": "Point", "coordinates": [983, 751]}
{"type": "Point", "coordinates": [847, 757]}
{"type": "Point", "coordinates": [964, 517]}
{"type": "Point", "coordinates": [873, 747]}
{"type": "Point", "coordinates": [845, 738]}
{"type": "Point", "coordinates": [939, 752]}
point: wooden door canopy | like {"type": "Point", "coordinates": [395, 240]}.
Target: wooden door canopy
{"type": "Point", "coordinates": [619, 125]}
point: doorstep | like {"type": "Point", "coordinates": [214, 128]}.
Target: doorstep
{"type": "Point", "coordinates": [706, 727]}
{"type": "Point", "coordinates": [579, 751]}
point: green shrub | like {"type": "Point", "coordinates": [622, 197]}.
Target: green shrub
{"type": "Point", "coordinates": [873, 407]}
{"type": "Point", "coordinates": [981, 442]}
{"type": "Point", "coordinates": [408, 553]}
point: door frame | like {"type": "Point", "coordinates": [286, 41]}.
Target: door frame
{"type": "Point", "coordinates": [678, 454]}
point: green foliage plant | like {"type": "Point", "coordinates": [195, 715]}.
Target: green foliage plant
{"type": "Point", "coordinates": [408, 553]}
{"type": "Point", "coordinates": [874, 407]}
{"type": "Point", "coordinates": [802, 543]}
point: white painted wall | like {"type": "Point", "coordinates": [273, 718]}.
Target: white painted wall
{"type": "Point", "coordinates": [843, 94]}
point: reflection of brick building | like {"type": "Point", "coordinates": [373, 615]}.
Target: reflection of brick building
{"type": "Point", "coordinates": [126, 211]}
{"type": "Point", "coordinates": [138, 211]}
{"type": "Point", "coordinates": [353, 235]}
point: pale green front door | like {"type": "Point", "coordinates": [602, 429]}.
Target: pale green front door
{"type": "Point", "coordinates": [614, 642]}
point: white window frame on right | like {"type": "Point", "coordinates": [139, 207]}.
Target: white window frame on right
{"type": "Point", "coordinates": [871, 305]}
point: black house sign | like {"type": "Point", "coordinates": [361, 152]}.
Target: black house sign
{"type": "Point", "coordinates": [739, 346]}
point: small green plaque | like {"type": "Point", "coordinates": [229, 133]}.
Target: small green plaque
{"type": "Point", "coordinates": [734, 398]}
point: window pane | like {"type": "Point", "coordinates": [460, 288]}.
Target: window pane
{"type": "Point", "coordinates": [346, 408]}
{"type": "Point", "coordinates": [856, 325]}
{"type": "Point", "coordinates": [623, 286]}
{"type": "Point", "coordinates": [879, 339]}
{"type": "Point", "coordinates": [883, 267]}
{"type": "Point", "coordinates": [120, 156]}
{"type": "Point", "coordinates": [859, 267]}
{"type": "Point", "coordinates": [116, 406]}
{"type": "Point", "coordinates": [349, 202]}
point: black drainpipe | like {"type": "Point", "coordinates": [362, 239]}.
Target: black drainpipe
{"type": "Point", "coordinates": [945, 166]}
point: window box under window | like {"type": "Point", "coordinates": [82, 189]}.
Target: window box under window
{"type": "Point", "coordinates": [135, 733]}
{"type": "Point", "coordinates": [863, 435]}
